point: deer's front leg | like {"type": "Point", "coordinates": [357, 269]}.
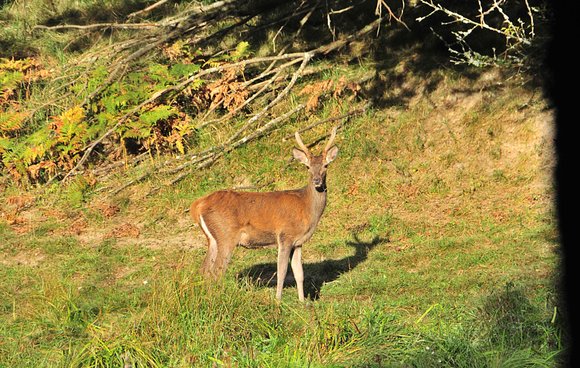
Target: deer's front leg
{"type": "Point", "coordinates": [283, 257]}
{"type": "Point", "coordinates": [298, 272]}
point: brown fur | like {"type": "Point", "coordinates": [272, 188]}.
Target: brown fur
{"type": "Point", "coordinates": [284, 218]}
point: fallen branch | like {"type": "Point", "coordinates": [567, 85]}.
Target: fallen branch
{"type": "Point", "coordinates": [98, 26]}
{"type": "Point", "coordinates": [89, 148]}
{"type": "Point", "coordinates": [510, 31]}
{"type": "Point", "coordinates": [379, 12]}
{"type": "Point", "coordinates": [263, 86]}
{"type": "Point", "coordinates": [122, 64]}
{"type": "Point", "coordinates": [333, 46]}
{"type": "Point", "coordinates": [205, 159]}
{"type": "Point", "coordinates": [306, 58]}
{"type": "Point", "coordinates": [250, 137]}
{"type": "Point", "coordinates": [147, 9]}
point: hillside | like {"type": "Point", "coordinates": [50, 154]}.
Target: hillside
{"type": "Point", "coordinates": [438, 246]}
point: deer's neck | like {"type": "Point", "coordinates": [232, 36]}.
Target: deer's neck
{"type": "Point", "coordinates": [317, 200]}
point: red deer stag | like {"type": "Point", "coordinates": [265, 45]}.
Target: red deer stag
{"type": "Point", "coordinates": [284, 218]}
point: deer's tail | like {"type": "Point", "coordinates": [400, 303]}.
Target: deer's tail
{"type": "Point", "coordinates": [195, 210]}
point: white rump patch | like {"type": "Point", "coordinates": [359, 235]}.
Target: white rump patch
{"type": "Point", "coordinates": [212, 247]}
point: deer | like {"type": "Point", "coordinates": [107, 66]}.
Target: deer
{"type": "Point", "coordinates": [286, 219]}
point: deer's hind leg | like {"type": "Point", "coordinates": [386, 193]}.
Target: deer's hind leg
{"type": "Point", "coordinates": [208, 265]}
{"type": "Point", "coordinates": [227, 239]}
{"type": "Point", "coordinates": [225, 249]}
{"type": "Point", "coordinates": [221, 242]}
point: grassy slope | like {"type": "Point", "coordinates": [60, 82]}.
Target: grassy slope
{"type": "Point", "coordinates": [437, 248]}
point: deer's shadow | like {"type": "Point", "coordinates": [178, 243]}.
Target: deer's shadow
{"type": "Point", "coordinates": [315, 274]}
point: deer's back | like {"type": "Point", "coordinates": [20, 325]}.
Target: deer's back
{"type": "Point", "coordinates": [255, 217]}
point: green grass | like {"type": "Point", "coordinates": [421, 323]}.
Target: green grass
{"type": "Point", "coordinates": [106, 305]}
{"type": "Point", "coordinates": [438, 248]}
{"type": "Point", "coordinates": [409, 267]}
{"type": "Point", "coordinates": [162, 314]}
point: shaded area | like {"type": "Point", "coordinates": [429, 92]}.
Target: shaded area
{"type": "Point", "coordinates": [511, 319]}
{"type": "Point", "coordinates": [296, 26]}
{"type": "Point", "coordinates": [315, 274]}
{"type": "Point", "coordinates": [507, 318]}
{"type": "Point", "coordinates": [292, 26]}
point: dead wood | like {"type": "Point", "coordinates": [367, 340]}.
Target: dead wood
{"type": "Point", "coordinates": [273, 76]}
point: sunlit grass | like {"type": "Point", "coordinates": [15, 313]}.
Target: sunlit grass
{"type": "Point", "coordinates": [437, 248]}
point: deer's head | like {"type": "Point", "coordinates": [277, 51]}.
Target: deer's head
{"type": "Point", "coordinates": [317, 164]}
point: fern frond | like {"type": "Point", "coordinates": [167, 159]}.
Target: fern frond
{"type": "Point", "coordinates": [242, 50]}
{"type": "Point", "coordinates": [12, 121]}
{"type": "Point", "coordinates": [158, 113]}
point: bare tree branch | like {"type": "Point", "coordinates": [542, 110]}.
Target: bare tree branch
{"type": "Point", "coordinates": [328, 120]}
{"type": "Point", "coordinates": [147, 9]}
{"type": "Point", "coordinates": [266, 82]}
{"type": "Point", "coordinates": [98, 26]}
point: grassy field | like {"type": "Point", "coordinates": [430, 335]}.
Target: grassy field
{"type": "Point", "coordinates": [438, 248]}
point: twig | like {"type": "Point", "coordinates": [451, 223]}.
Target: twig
{"type": "Point", "coordinates": [238, 108]}
{"type": "Point", "coordinates": [306, 58]}
{"type": "Point", "coordinates": [302, 22]}
{"type": "Point", "coordinates": [284, 18]}
{"type": "Point", "coordinates": [379, 12]}
{"type": "Point", "coordinates": [250, 137]}
{"type": "Point", "coordinates": [333, 46]}
{"type": "Point", "coordinates": [328, 120]}
{"type": "Point", "coordinates": [205, 11]}
{"type": "Point", "coordinates": [97, 26]}
{"type": "Point", "coordinates": [269, 71]}
{"type": "Point", "coordinates": [266, 127]}
{"type": "Point", "coordinates": [133, 181]}
{"type": "Point", "coordinates": [517, 36]}
{"type": "Point", "coordinates": [107, 168]}
{"type": "Point", "coordinates": [147, 9]}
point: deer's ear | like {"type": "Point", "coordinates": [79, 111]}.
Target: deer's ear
{"type": "Point", "coordinates": [331, 154]}
{"type": "Point", "coordinates": [300, 156]}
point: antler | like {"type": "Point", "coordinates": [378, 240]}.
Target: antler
{"type": "Point", "coordinates": [331, 139]}
{"type": "Point", "coordinates": [301, 144]}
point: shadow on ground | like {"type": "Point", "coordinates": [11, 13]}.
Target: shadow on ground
{"type": "Point", "coordinates": [316, 274]}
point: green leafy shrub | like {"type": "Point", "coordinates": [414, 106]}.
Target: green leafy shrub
{"type": "Point", "coordinates": [38, 148]}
